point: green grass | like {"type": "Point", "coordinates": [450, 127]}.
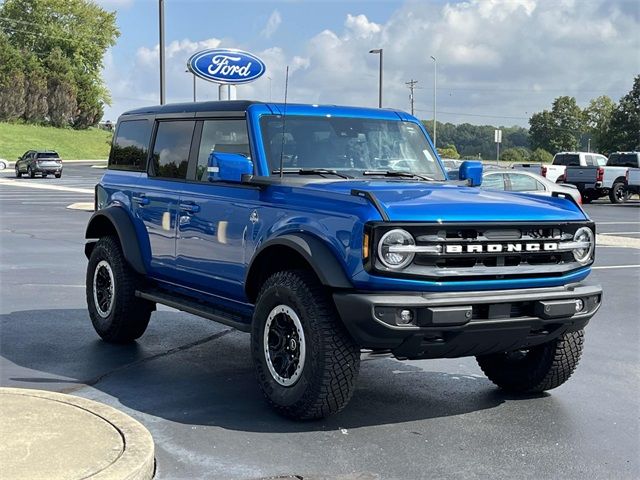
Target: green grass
{"type": "Point", "coordinates": [91, 144]}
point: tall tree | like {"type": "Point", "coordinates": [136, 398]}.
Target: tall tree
{"type": "Point", "coordinates": [81, 31]}
{"type": "Point", "coordinates": [597, 118]}
{"type": "Point", "coordinates": [559, 129]}
{"type": "Point", "coordinates": [11, 81]}
{"type": "Point", "coordinates": [625, 120]}
{"type": "Point", "coordinates": [61, 89]}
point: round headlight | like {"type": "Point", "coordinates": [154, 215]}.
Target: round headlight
{"type": "Point", "coordinates": [390, 248]}
{"type": "Point", "coordinates": [584, 235]}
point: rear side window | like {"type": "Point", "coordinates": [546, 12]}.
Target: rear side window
{"type": "Point", "coordinates": [524, 183]}
{"type": "Point", "coordinates": [171, 149]}
{"type": "Point", "coordinates": [623, 160]}
{"type": "Point", "coordinates": [569, 159]}
{"type": "Point", "coordinates": [130, 145]}
{"type": "Point", "coordinates": [493, 182]}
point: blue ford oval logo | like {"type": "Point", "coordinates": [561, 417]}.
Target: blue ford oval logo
{"type": "Point", "coordinates": [226, 65]}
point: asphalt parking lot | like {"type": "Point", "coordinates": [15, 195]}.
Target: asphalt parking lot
{"type": "Point", "coordinates": [190, 381]}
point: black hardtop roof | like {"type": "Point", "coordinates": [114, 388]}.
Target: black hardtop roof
{"type": "Point", "coordinates": [191, 107]}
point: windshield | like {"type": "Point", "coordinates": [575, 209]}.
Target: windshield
{"type": "Point", "coordinates": [351, 146]}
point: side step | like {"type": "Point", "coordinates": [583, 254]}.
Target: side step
{"type": "Point", "coordinates": [188, 305]}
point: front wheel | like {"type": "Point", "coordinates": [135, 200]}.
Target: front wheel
{"type": "Point", "coordinates": [18, 174]}
{"type": "Point", "coordinates": [535, 369]}
{"type": "Point", "coordinates": [58, 175]}
{"type": "Point", "coordinates": [305, 360]}
{"type": "Point", "coordinates": [31, 173]}
{"type": "Point", "coordinates": [618, 193]}
{"type": "Point", "coordinates": [116, 313]}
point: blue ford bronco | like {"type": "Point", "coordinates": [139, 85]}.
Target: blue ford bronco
{"type": "Point", "coordinates": [325, 230]}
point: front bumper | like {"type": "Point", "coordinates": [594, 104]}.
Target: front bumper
{"type": "Point", "coordinates": [458, 324]}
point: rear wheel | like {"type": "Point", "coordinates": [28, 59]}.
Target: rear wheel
{"type": "Point", "coordinates": [618, 193]}
{"type": "Point", "coordinates": [116, 313]}
{"type": "Point", "coordinates": [537, 368]}
{"type": "Point", "coordinates": [305, 360]}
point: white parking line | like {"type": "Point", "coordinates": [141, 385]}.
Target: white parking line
{"type": "Point", "coordinates": [617, 223]}
{"type": "Point", "coordinates": [606, 267]}
{"type": "Point", "coordinates": [41, 186]}
{"type": "Point", "coordinates": [617, 233]}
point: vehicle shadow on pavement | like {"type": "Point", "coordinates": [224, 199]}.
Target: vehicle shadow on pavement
{"type": "Point", "coordinates": [199, 373]}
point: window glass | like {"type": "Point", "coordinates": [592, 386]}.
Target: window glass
{"type": "Point", "coordinates": [129, 150]}
{"type": "Point", "coordinates": [48, 155]}
{"type": "Point", "coordinates": [590, 160]}
{"type": "Point", "coordinates": [171, 149]}
{"type": "Point", "coordinates": [493, 182]}
{"type": "Point", "coordinates": [224, 136]}
{"type": "Point", "coordinates": [600, 160]}
{"type": "Point", "coordinates": [523, 183]}
{"type": "Point", "coordinates": [572, 159]}
{"type": "Point", "coordinates": [623, 160]}
{"type": "Point", "coordinates": [352, 146]}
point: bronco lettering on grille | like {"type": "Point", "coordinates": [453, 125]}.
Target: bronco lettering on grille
{"type": "Point", "coordinates": [499, 247]}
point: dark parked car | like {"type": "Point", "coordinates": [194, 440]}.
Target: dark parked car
{"type": "Point", "coordinates": [43, 162]}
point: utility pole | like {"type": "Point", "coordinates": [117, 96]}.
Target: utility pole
{"type": "Point", "coordinates": [412, 86]}
{"type": "Point", "coordinates": [161, 28]}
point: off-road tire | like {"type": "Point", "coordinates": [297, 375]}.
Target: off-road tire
{"type": "Point", "coordinates": [543, 367]}
{"type": "Point", "coordinates": [129, 315]}
{"type": "Point", "coordinates": [332, 361]}
{"type": "Point", "coordinates": [618, 193]}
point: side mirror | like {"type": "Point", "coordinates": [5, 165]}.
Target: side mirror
{"type": "Point", "coordinates": [471, 171]}
{"type": "Point", "coordinates": [228, 167]}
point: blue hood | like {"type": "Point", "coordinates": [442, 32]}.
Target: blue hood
{"type": "Point", "coordinates": [433, 202]}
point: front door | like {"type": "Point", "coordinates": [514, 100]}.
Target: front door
{"type": "Point", "coordinates": [217, 219]}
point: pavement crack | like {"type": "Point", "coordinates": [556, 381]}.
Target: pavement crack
{"type": "Point", "coordinates": [186, 346]}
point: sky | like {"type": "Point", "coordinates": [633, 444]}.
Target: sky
{"type": "Point", "coordinates": [498, 61]}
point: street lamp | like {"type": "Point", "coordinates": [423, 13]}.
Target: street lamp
{"type": "Point", "coordinates": [379, 50]}
{"type": "Point", "coordinates": [435, 83]}
{"type": "Point", "coordinates": [194, 83]}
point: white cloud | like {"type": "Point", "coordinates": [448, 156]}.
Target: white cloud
{"type": "Point", "coordinates": [273, 23]}
{"type": "Point", "coordinates": [497, 59]}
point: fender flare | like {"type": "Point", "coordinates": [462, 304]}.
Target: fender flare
{"type": "Point", "coordinates": [314, 251]}
{"type": "Point", "coordinates": [103, 222]}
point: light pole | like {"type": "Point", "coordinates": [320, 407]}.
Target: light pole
{"type": "Point", "coordinates": [269, 88]}
{"type": "Point", "coordinates": [194, 83]}
{"type": "Point", "coordinates": [161, 29]}
{"type": "Point", "coordinates": [379, 50]}
{"type": "Point", "coordinates": [435, 90]}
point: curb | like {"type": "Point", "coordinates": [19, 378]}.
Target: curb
{"type": "Point", "coordinates": [53, 435]}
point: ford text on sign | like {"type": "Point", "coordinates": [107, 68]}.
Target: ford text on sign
{"type": "Point", "coordinates": [228, 66]}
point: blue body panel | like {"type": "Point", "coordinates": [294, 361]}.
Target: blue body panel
{"type": "Point", "coordinates": [207, 251]}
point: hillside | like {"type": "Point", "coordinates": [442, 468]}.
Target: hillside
{"type": "Point", "coordinates": [91, 144]}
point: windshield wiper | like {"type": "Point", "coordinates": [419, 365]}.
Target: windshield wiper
{"type": "Point", "coordinates": [312, 171]}
{"type": "Point", "coordinates": [398, 173]}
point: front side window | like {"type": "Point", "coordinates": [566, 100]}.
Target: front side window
{"type": "Point", "coordinates": [351, 146]}
{"type": "Point", "coordinates": [224, 136]}
{"type": "Point", "coordinates": [523, 183]}
{"type": "Point", "coordinates": [130, 145]}
{"type": "Point", "coordinates": [493, 182]}
{"type": "Point", "coordinates": [171, 149]}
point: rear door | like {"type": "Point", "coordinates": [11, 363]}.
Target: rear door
{"type": "Point", "coordinates": [156, 203]}
{"type": "Point", "coordinates": [217, 219]}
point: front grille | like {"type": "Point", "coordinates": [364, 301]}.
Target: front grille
{"type": "Point", "coordinates": [485, 251]}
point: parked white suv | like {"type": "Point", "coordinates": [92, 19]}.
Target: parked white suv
{"type": "Point", "coordinates": [555, 172]}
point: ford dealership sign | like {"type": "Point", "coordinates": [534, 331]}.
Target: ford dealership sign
{"type": "Point", "coordinates": [226, 65]}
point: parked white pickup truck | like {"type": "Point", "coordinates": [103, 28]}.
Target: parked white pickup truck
{"type": "Point", "coordinates": [555, 172]}
{"type": "Point", "coordinates": [611, 179]}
